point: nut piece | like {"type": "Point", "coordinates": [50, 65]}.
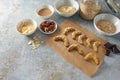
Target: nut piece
{"type": "Point", "coordinates": [62, 38]}
{"type": "Point", "coordinates": [68, 29]}
{"type": "Point", "coordinates": [92, 56]}
{"type": "Point", "coordinates": [75, 34]}
{"type": "Point", "coordinates": [35, 41]}
{"type": "Point", "coordinates": [81, 37]}
{"type": "Point", "coordinates": [89, 41]}
{"type": "Point", "coordinates": [96, 45]}
{"type": "Point", "coordinates": [75, 47]}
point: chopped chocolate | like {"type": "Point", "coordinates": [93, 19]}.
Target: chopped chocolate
{"type": "Point", "coordinates": [115, 50]}
{"type": "Point", "coordinates": [108, 45]}
{"type": "Point", "coordinates": [107, 52]}
{"type": "Point", "coordinates": [111, 47]}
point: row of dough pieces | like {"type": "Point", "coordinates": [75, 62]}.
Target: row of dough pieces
{"type": "Point", "coordinates": [81, 37]}
{"type": "Point", "coordinates": [89, 56]}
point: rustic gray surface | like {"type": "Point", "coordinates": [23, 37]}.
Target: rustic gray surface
{"type": "Point", "coordinates": [18, 61]}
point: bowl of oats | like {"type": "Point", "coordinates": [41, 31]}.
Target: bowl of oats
{"type": "Point", "coordinates": [107, 24]}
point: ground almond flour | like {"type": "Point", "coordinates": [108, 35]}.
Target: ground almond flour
{"type": "Point", "coordinates": [106, 26]}
{"type": "Point", "coordinates": [45, 12]}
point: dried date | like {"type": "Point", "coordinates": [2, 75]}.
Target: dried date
{"type": "Point", "coordinates": [47, 26]}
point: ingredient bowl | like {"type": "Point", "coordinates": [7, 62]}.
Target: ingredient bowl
{"type": "Point", "coordinates": [48, 26]}
{"type": "Point", "coordinates": [45, 11]}
{"type": "Point", "coordinates": [70, 3]}
{"type": "Point", "coordinates": [109, 17]}
{"type": "Point", "coordinates": [27, 26]}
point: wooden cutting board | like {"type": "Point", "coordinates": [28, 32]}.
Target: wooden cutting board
{"type": "Point", "coordinates": [89, 68]}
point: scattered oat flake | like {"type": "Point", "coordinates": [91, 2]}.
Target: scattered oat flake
{"type": "Point", "coordinates": [35, 42]}
{"type": "Point", "coordinates": [30, 42]}
{"type": "Point", "coordinates": [42, 41]}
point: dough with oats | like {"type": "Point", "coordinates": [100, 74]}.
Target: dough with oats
{"type": "Point", "coordinates": [96, 45]}
{"type": "Point", "coordinates": [93, 57]}
{"type": "Point", "coordinates": [81, 37]}
{"type": "Point", "coordinates": [75, 47]}
{"type": "Point", "coordinates": [68, 29]}
{"type": "Point", "coordinates": [89, 42]}
{"type": "Point", "coordinates": [75, 34]}
{"type": "Point", "coordinates": [62, 38]}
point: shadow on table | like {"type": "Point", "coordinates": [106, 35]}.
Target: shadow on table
{"type": "Point", "coordinates": [102, 70]}
{"type": "Point", "coordinates": [117, 36]}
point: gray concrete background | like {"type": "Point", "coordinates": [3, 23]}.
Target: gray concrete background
{"type": "Point", "coordinates": [18, 61]}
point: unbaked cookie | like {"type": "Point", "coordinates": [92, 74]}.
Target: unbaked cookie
{"type": "Point", "coordinates": [81, 37]}
{"type": "Point", "coordinates": [96, 45]}
{"type": "Point", "coordinates": [68, 29]}
{"type": "Point", "coordinates": [62, 38]}
{"type": "Point", "coordinates": [75, 47]}
{"type": "Point", "coordinates": [89, 42]}
{"type": "Point", "coordinates": [75, 34]}
{"type": "Point", "coordinates": [92, 56]}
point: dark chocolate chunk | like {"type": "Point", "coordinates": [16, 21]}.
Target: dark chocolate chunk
{"type": "Point", "coordinates": [107, 52]}
{"type": "Point", "coordinates": [115, 50]}
{"type": "Point", "coordinates": [108, 45]}
{"type": "Point", "coordinates": [111, 47]}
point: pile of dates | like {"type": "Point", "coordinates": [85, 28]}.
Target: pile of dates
{"type": "Point", "coordinates": [47, 26]}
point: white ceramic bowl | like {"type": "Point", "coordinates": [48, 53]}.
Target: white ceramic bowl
{"type": "Point", "coordinates": [45, 6]}
{"type": "Point", "coordinates": [60, 3]}
{"type": "Point", "coordinates": [39, 27]}
{"type": "Point", "coordinates": [110, 17]}
{"type": "Point", "coordinates": [28, 21]}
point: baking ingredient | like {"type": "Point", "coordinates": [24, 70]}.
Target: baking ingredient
{"type": "Point", "coordinates": [62, 38]}
{"type": "Point", "coordinates": [92, 56]}
{"type": "Point", "coordinates": [26, 27]}
{"type": "Point", "coordinates": [89, 42]}
{"type": "Point", "coordinates": [75, 47]}
{"type": "Point", "coordinates": [108, 45]}
{"type": "Point", "coordinates": [45, 12]}
{"type": "Point", "coordinates": [107, 52]}
{"type": "Point", "coordinates": [67, 9]}
{"type": "Point", "coordinates": [115, 49]}
{"type": "Point", "coordinates": [111, 47]}
{"type": "Point", "coordinates": [75, 34]}
{"type": "Point", "coordinates": [68, 29]}
{"type": "Point", "coordinates": [47, 26]}
{"type": "Point", "coordinates": [106, 26]}
{"type": "Point", "coordinates": [81, 38]}
{"type": "Point", "coordinates": [35, 41]}
{"type": "Point", "coordinates": [89, 9]}
{"type": "Point", "coordinates": [96, 44]}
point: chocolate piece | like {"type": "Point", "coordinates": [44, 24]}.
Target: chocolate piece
{"type": "Point", "coordinates": [111, 47]}
{"type": "Point", "coordinates": [108, 45]}
{"type": "Point", "coordinates": [107, 52]}
{"type": "Point", "coordinates": [115, 50]}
